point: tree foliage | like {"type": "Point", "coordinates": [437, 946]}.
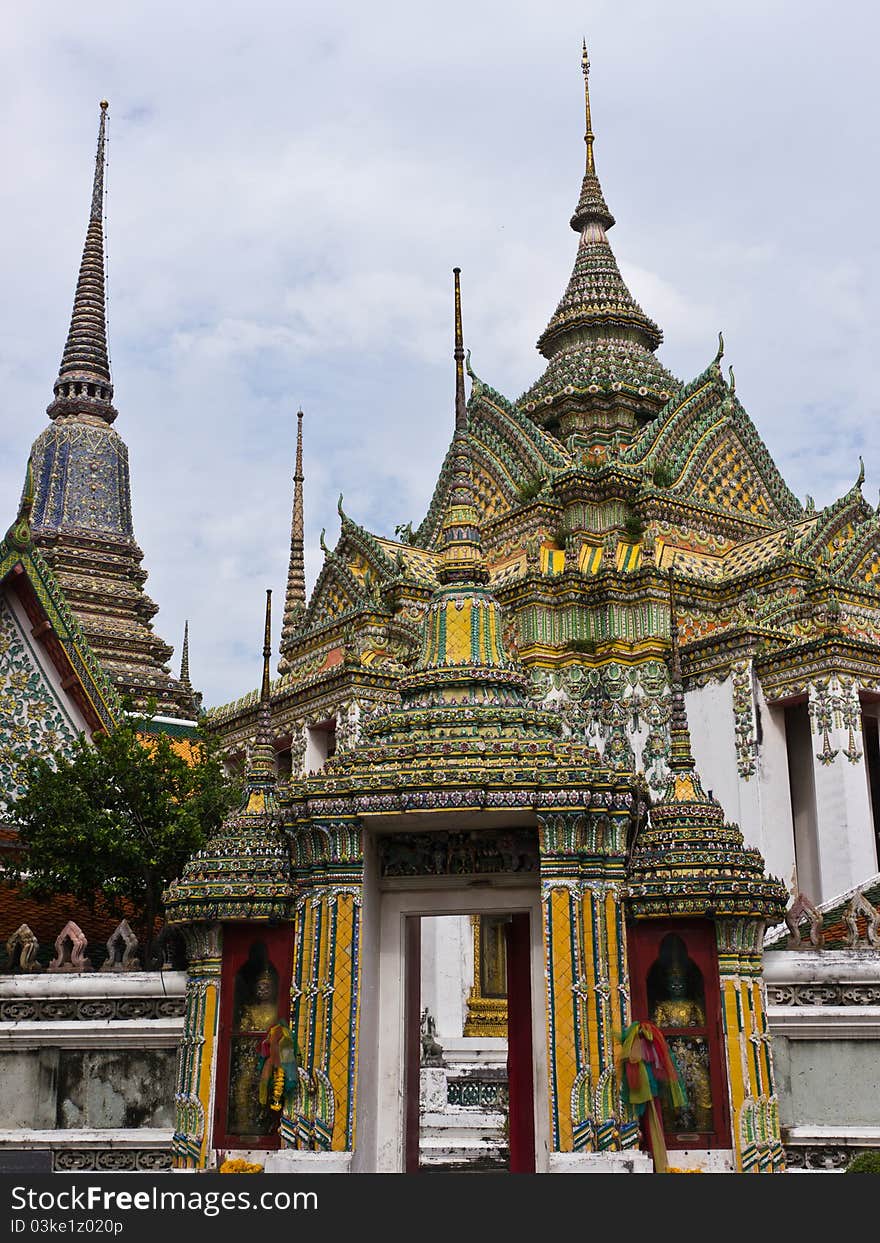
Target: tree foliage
{"type": "Point", "coordinates": [118, 818]}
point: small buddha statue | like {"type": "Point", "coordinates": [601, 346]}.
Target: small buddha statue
{"type": "Point", "coordinates": [257, 1011]}
{"type": "Point", "coordinates": [678, 1009]}
{"type": "Point", "coordinates": [258, 1014]}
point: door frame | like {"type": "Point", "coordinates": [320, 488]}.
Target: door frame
{"type": "Point", "coordinates": [382, 1086]}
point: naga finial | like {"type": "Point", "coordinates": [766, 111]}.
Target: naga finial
{"type": "Point", "coordinates": [861, 478]}
{"type": "Point", "coordinates": [339, 508]}
{"type": "Point", "coordinates": [322, 542]}
{"type": "Point", "coordinates": [720, 353]}
{"type": "Point", "coordinates": [732, 381]}
{"type": "Point", "coordinates": [589, 136]}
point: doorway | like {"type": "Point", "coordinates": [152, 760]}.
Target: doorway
{"type": "Point", "coordinates": [395, 1061]}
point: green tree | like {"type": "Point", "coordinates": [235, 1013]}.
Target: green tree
{"type": "Point", "coordinates": [118, 818]}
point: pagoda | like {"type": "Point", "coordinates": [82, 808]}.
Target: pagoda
{"type": "Point", "coordinates": [81, 519]}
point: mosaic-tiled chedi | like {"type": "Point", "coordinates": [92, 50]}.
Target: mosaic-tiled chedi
{"type": "Point", "coordinates": [603, 474]}
{"type": "Point", "coordinates": [82, 511]}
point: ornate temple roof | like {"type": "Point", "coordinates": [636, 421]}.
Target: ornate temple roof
{"type": "Point", "coordinates": [243, 872]}
{"type": "Point", "coordinates": [81, 515]}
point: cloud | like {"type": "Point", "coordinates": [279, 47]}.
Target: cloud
{"type": "Point", "coordinates": [290, 187]}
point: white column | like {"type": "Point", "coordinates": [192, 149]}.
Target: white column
{"type": "Point", "coordinates": [847, 849]}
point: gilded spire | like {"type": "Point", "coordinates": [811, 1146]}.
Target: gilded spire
{"type": "Point", "coordinates": [295, 600]}
{"type": "Point", "coordinates": [591, 204]}
{"type": "Point", "coordinates": [458, 355]}
{"type": "Point", "coordinates": [681, 759]}
{"type": "Point", "coordinates": [83, 386]}
{"type": "Point", "coordinates": [589, 135]}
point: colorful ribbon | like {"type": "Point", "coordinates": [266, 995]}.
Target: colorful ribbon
{"type": "Point", "coordinates": [278, 1067]}
{"type": "Point", "coordinates": [650, 1073]}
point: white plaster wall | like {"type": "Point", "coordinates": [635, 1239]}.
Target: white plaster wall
{"type": "Point", "coordinates": [317, 749]}
{"type": "Point", "coordinates": [773, 793]}
{"type": "Point", "coordinates": [447, 971]}
{"type": "Point", "coordinates": [803, 796]}
{"type": "Point", "coordinates": [710, 717]}
{"type": "Point", "coordinates": [847, 846]}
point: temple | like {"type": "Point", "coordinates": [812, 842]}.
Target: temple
{"type": "Point", "coordinates": [481, 735]}
{"type": "Point", "coordinates": [534, 788]}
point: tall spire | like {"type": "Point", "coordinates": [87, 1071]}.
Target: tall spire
{"type": "Point", "coordinates": [681, 758]}
{"type": "Point", "coordinates": [589, 135]}
{"type": "Point", "coordinates": [462, 556]}
{"type": "Point", "coordinates": [184, 656]}
{"type": "Point", "coordinates": [591, 205]}
{"type": "Point", "coordinates": [260, 770]}
{"type": "Point", "coordinates": [295, 600]}
{"type": "Point", "coordinates": [458, 355]}
{"type": "Point", "coordinates": [83, 386]}
{"type": "Point", "coordinates": [267, 651]}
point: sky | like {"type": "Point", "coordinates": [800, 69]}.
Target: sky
{"type": "Point", "coordinates": [290, 185]}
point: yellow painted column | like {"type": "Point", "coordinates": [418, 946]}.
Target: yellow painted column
{"type": "Point", "coordinates": [196, 1067]}
{"type": "Point", "coordinates": [325, 992]}
{"type": "Point", "coordinates": [756, 1139]}
{"type": "Point", "coordinates": [587, 979]}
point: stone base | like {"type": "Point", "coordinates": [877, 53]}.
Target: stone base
{"type": "Point", "coordinates": [290, 1161]}
{"type": "Point", "coordinates": [630, 1162]}
{"type": "Point", "coordinates": [706, 1160]}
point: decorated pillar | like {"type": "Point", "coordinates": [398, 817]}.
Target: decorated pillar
{"type": "Point", "coordinates": [194, 1096]}
{"type": "Point", "coordinates": [754, 1106]}
{"type": "Point", "coordinates": [325, 985]}
{"type": "Point", "coordinates": [845, 825]}
{"type": "Point", "coordinates": [582, 857]}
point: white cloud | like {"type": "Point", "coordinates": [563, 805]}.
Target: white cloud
{"type": "Point", "coordinates": [289, 188]}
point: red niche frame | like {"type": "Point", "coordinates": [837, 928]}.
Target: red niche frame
{"type": "Point", "coordinates": [237, 942]}
{"type": "Point", "coordinates": [644, 940]}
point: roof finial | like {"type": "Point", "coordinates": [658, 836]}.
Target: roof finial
{"type": "Point", "coordinates": [260, 769]}
{"type": "Point", "coordinates": [184, 655]}
{"type": "Point", "coordinates": [267, 649]}
{"type": "Point", "coordinates": [680, 757]}
{"type": "Point", "coordinates": [592, 208]}
{"type": "Point", "coordinates": [861, 478]}
{"type": "Point", "coordinates": [458, 355]}
{"type": "Point", "coordinates": [83, 385]}
{"type": "Point", "coordinates": [589, 136]}
{"type": "Point", "coordinates": [295, 600]}
{"type": "Point", "coordinates": [462, 560]}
